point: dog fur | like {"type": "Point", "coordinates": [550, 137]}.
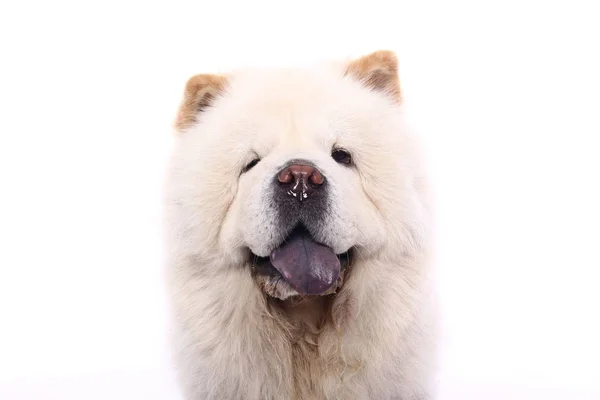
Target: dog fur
{"type": "Point", "coordinates": [238, 336]}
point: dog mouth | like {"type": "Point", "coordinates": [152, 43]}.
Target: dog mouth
{"type": "Point", "coordinates": [307, 266]}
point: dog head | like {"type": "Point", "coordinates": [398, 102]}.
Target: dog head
{"type": "Point", "coordinates": [295, 172]}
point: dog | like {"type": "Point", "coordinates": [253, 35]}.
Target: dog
{"type": "Point", "coordinates": [298, 236]}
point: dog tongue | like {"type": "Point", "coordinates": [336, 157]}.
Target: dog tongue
{"type": "Point", "coordinates": [307, 266]}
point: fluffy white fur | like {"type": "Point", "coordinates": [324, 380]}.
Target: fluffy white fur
{"type": "Point", "coordinates": [376, 338]}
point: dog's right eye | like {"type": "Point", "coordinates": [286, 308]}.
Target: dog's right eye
{"type": "Point", "coordinates": [251, 164]}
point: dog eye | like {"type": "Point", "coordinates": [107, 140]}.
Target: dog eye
{"type": "Point", "coordinates": [341, 156]}
{"type": "Point", "coordinates": [251, 164]}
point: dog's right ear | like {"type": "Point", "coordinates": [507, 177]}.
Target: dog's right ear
{"type": "Point", "coordinates": [200, 92]}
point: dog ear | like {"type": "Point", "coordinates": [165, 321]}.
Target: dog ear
{"type": "Point", "coordinates": [200, 92]}
{"type": "Point", "coordinates": [377, 71]}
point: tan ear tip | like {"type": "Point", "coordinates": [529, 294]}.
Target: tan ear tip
{"type": "Point", "coordinates": [200, 91]}
{"type": "Point", "coordinates": [388, 58]}
{"type": "Point", "coordinates": [196, 83]}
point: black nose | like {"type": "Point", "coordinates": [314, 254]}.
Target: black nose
{"type": "Point", "coordinates": [300, 196]}
{"type": "Point", "coordinates": [300, 180]}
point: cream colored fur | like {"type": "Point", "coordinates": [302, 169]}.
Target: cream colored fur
{"type": "Point", "coordinates": [375, 338]}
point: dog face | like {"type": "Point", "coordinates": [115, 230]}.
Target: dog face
{"type": "Point", "coordinates": [295, 172]}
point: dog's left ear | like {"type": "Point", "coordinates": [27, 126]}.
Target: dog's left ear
{"type": "Point", "coordinates": [377, 71]}
{"type": "Point", "coordinates": [200, 92]}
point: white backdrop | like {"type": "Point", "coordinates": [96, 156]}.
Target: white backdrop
{"type": "Point", "coordinates": [506, 94]}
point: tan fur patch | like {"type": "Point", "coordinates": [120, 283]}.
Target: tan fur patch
{"type": "Point", "coordinates": [307, 317]}
{"type": "Point", "coordinates": [343, 310]}
{"type": "Point", "coordinates": [200, 92]}
{"type": "Point", "coordinates": [378, 71]}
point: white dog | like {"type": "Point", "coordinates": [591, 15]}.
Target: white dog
{"type": "Point", "coordinates": [299, 237]}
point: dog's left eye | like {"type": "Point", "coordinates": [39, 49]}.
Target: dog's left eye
{"type": "Point", "coordinates": [341, 156]}
{"type": "Point", "coordinates": [251, 164]}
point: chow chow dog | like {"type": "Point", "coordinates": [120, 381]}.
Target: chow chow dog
{"type": "Point", "coordinates": [298, 236]}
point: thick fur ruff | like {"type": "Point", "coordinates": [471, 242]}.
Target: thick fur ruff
{"type": "Point", "coordinates": [374, 338]}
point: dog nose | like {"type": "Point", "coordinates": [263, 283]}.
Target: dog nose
{"type": "Point", "coordinates": [301, 180]}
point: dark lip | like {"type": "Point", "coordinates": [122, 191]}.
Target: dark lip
{"type": "Point", "coordinates": [263, 266]}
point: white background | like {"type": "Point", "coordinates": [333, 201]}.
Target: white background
{"type": "Point", "coordinates": [506, 94]}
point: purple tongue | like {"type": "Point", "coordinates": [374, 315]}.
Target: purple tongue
{"type": "Point", "coordinates": [307, 266]}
